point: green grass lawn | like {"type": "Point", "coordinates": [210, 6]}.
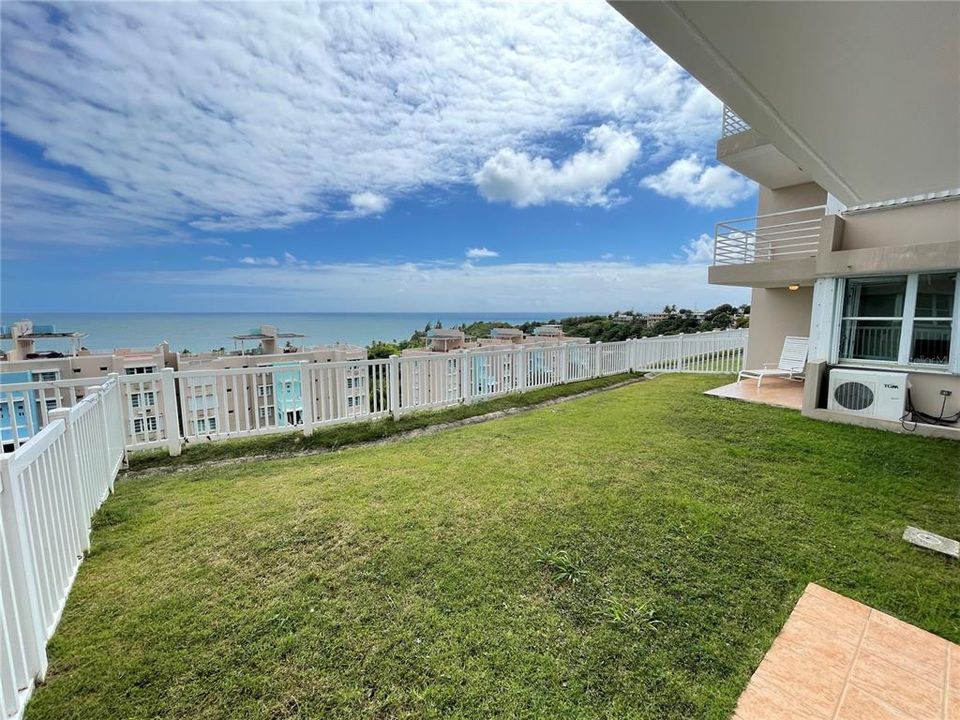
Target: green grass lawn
{"type": "Point", "coordinates": [627, 555]}
{"type": "Point", "coordinates": [352, 433]}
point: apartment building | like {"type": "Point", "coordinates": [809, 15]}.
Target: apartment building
{"type": "Point", "coordinates": [846, 115]}
{"type": "Point", "coordinates": [269, 394]}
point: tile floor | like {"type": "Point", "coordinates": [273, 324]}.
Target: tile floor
{"type": "Point", "coordinates": [837, 659]}
{"type": "Point", "coordinates": [774, 391]}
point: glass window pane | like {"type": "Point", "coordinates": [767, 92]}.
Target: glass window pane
{"type": "Point", "coordinates": [875, 297]}
{"type": "Point", "coordinates": [931, 342]}
{"type": "Point", "coordinates": [870, 339]}
{"type": "Point", "coordinates": [935, 295]}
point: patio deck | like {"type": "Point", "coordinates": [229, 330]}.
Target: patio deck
{"type": "Point", "coordinates": [837, 659]}
{"type": "Point", "coordinates": [774, 391]}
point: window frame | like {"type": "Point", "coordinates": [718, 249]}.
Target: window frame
{"type": "Point", "coordinates": [952, 366]}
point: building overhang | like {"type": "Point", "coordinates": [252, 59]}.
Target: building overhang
{"type": "Point", "coordinates": [782, 273]}
{"type": "Point", "coordinates": [863, 97]}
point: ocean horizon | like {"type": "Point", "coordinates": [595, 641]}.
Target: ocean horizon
{"type": "Point", "coordinates": [199, 332]}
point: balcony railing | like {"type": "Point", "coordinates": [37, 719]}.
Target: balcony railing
{"type": "Point", "coordinates": [786, 235]}
{"type": "Point", "coordinates": [733, 124]}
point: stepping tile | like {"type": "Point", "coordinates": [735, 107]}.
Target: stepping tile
{"type": "Point", "coordinates": [836, 659]}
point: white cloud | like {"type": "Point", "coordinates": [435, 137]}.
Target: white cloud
{"type": "Point", "coordinates": [481, 252]}
{"type": "Point", "coordinates": [240, 116]}
{"type": "Point", "coordinates": [699, 251]}
{"type": "Point", "coordinates": [583, 286]}
{"type": "Point", "coordinates": [607, 256]}
{"type": "Point", "coordinates": [581, 179]}
{"type": "Point", "coordinates": [690, 178]}
{"type": "Point", "coordinates": [271, 261]}
{"type": "Point", "coordinates": [369, 203]}
{"type": "Point", "coordinates": [214, 258]}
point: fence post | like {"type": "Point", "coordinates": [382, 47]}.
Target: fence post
{"type": "Point", "coordinates": [105, 425]}
{"type": "Point", "coordinates": [598, 360]}
{"type": "Point", "coordinates": [521, 369]}
{"type": "Point", "coordinates": [118, 406]}
{"type": "Point", "coordinates": [393, 387]}
{"type": "Point", "coordinates": [306, 398]}
{"type": "Point", "coordinates": [21, 572]}
{"type": "Point", "coordinates": [466, 371]}
{"type": "Point", "coordinates": [680, 362]}
{"type": "Point", "coordinates": [171, 415]}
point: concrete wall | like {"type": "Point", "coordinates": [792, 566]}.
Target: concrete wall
{"type": "Point", "coordinates": [920, 224]}
{"type": "Point", "coordinates": [776, 313]}
{"type": "Point", "coordinates": [790, 198]}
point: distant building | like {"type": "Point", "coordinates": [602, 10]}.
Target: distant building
{"type": "Point", "coordinates": [445, 340]}
{"type": "Point", "coordinates": [549, 331]}
{"type": "Point", "coordinates": [207, 403]}
{"type": "Point", "coordinates": [504, 336]}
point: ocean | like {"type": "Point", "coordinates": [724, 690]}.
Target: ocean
{"type": "Point", "coordinates": [199, 332]}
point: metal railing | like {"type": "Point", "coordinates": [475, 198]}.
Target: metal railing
{"type": "Point", "coordinates": [169, 408]}
{"type": "Point", "coordinates": [783, 235]}
{"type": "Point", "coordinates": [733, 124]}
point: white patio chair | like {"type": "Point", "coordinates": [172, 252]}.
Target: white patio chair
{"type": "Point", "coordinates": [793, 359]}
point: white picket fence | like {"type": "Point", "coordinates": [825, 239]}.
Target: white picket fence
{"type": "Point", "coordinates": [50, 488]}
{"type": "Point", "coordinates": [169, 408]}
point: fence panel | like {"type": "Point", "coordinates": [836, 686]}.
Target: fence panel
{"type": "Point", "coordinates": [221, 403]}
{"type": "Point", "coordinates": [430, 382]}
{"type": "Point", "coordinates": [49, 489]}
{"type": "Point", "coordinates": [348, 391]}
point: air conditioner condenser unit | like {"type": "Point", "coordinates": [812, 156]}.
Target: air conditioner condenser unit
{"type": "Point", "coordinates": [868, 392]}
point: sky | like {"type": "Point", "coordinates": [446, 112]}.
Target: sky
{"type": "Point", "coordinates": [353, 157]}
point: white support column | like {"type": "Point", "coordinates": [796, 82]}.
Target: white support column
{"type": "Point", "coordinates": [306, 398]}
{"type": "Point", "coordinates": [393, 387]}
{"type": "Point", "coordinates": [680, 363]}
{"type": "Point", "coordinates": [598, 359]}
{"type": "Point", "coordinates": [171, 414]}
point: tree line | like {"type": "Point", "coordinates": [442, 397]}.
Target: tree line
{"type": "Point", "coordinates": [619, 325]}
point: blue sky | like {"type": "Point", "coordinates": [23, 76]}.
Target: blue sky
{"type": "Point", "coordinates": [384, 157]}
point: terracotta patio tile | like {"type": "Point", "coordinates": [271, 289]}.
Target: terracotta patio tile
{"type": "Point", "coordinates": [763, 701]}
{"type": "Point", "coordinates": [897, 687]}
{"type": "Point", "coordinates": [953, 681]}
{"type": "Point", "coordinates": [846, 624]}
{"type": "Point", "coordinates": [836, 659]}
{"type": "Point", "coordinates": [907, 646]}
{"type": "Point", "coordinates": [833, 652]}
{"type": "Point", "coordinates": [953, 706]}
{"type": "Point", "coordinates": [837, 601]}
{"type": "Point", "coordinates": [774, 391]}
{"type": "Point", "coordinates": [860, 705]}
{"type": "Point", "coordinates": [782, 670]}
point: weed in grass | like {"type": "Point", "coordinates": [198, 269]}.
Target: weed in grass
{"type": "Point", "coordinates": [563, 567]}
{"type": "Point", "coordinates": [631, 618]}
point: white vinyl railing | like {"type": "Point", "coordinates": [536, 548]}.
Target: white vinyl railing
{"type": "Point", "coordinates": [733, 124]}
{"type": "Point", "coordinates": [169, 408]}
{"type": "Point", "coordinates": [783, 235]}
{"type": "Point", "coordinates": [49, 489]}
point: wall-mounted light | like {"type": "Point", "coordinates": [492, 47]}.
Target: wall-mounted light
{"type": "Point", "coordinates": [793, 288]}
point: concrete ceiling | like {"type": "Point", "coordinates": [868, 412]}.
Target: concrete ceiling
{"type": "Point", "coordinates": [864, 96]}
